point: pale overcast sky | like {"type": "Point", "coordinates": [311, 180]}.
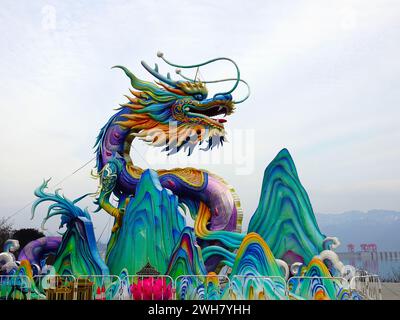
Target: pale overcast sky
{"type": "Point", "coordinates": [324, 78]}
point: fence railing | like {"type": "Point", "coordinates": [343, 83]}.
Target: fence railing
{"type": "Point", "coordinates": [369, 286]}
{"type": "Point", "coordinates": [54, 287]}
{"type": "Point", "coordinates": [310, 288]}
{"type": "Point", "coordinates": [202, 287]}
{"type": "Point", "coordinates": [185, 287]}
{"type": "Point", "coordinates": [98, 287]}
{"type": "Point", "coordinates": [15, 287]}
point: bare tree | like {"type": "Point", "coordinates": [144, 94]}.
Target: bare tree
{"type": "Point", "coordinates": [6, 231]}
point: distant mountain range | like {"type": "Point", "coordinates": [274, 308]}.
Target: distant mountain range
{"type": "Point", "coordinates": [375, 226]}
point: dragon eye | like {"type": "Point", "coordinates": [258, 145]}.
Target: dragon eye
{"type": "Point", "coordinates": [198, 97]}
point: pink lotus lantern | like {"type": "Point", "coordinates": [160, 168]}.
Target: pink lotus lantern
{"type": "Point", "coordinates": [149, 286]}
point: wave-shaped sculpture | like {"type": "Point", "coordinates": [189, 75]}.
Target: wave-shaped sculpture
{"type": "Point", "coordinates": [284, 216]}
{"type": "Point", "coordinates": [316, 283]}
{"type": "Point", "coordinates": [255, 273]}
{"type": "Point", "coordinates": [37, 250]}
{"type": "Point", "coordinates": [151, 227]}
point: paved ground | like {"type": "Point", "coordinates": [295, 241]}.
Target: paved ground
{"type": "Point", "coordinates": [390, 291]}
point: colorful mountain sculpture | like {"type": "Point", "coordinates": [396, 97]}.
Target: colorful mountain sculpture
{"type": "Point", "coordinates": [152, 226]}
{"type": "Point", "coordinates": [284, 217]}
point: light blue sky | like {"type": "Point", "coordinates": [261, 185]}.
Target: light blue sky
{"type": "Point", "coordinates": [324, 76]}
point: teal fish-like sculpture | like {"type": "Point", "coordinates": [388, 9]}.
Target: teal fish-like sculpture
{"type": "Point", "coordinates": [78, 254]}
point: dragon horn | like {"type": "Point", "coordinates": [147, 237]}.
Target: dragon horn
{"type": "Point", "coordinates": [136, 82]}
{"type": "Point", "coordinates": [159, 76]}
{"type": "Point", "coordinates": [161, 55]}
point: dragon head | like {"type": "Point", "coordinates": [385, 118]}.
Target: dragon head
{"type": "Point", "coordinates": [177, 114]}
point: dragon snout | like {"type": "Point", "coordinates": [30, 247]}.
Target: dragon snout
{"type": "Point", "coordinates": [225, 96]}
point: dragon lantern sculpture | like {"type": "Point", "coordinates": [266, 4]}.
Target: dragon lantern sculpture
{"type": "Point", "coordinates": [150, 209]}
{"type": "Point", "coordinates": [174, 115]}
